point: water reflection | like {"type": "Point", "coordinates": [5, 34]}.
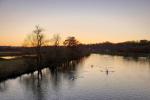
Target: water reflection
{"type": "Point", "coordinates": [98, 77]}
{"type": "Point", "coordinates": [38, 83]}
{"type": "Point", "coordinates": [33, 84]}
{"type": "Point", "coordinates": [9, 57]}
{"type": "Point", "coordinates": [107, 70]}
{"type": "Point", "coordinates": [3, 87]}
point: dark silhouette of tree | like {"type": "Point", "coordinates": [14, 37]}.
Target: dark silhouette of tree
{"type": "Point", "coordinates": [71, 42]}
{"type": "Point", "coordinates": [37, 41]}
{"type": "Point", "coordinates": [56, 39]}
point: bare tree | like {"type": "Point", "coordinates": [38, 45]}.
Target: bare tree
{"type": "Point", "coordinates": [36, 40]}
{"type": "Point", "coordinates": [56, 39]}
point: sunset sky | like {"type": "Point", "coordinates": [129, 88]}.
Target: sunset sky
{"type": "Point", "coordinates": [90, 21]}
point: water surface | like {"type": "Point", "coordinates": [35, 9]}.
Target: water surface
{"type": "Point", "coordinates": [98, 77]}
{"type": "Point", "coordinates": [8, 57]}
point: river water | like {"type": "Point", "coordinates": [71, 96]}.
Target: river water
{"type": "Point", "coordinates": [97, 77]}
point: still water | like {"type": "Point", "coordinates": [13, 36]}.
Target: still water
{"type": "Point", "coordinates": [97, 77]}
{"type": "Point", "coordinates": [8, 57]}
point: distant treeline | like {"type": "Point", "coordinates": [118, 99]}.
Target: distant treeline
{"type": "Point", "coordinates": [142, 46]}
{"type": "Point", "coordinates": [132, 47]}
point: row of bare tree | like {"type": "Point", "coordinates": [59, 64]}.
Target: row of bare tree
{"type": "Point", "coordinates": [37, 39]}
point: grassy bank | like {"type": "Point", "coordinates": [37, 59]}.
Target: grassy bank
{"type": "Point", "coordinates": [28, 64]}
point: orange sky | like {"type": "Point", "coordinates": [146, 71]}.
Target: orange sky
{"type": "Point", "coordinates": [90, 21]}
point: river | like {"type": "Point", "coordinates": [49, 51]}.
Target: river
{"type": "Point", "coordinates": [97, 77]}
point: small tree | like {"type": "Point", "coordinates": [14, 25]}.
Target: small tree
{"type": "Point", "coordinates": [56, 40]}
{"type": "Point", "coordinates": [71, 42]}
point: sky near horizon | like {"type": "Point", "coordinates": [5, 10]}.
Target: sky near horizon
{"type": "Point", "coordinates": [90, 21]}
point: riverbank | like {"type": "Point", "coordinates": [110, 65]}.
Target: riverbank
{"type": "Point", "coordinates": [11, 68]}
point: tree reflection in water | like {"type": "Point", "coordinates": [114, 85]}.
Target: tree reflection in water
{"type": "Point", "coordinates": [3, 86]}
{"type": "Point", "coordinates": [50, 79]}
